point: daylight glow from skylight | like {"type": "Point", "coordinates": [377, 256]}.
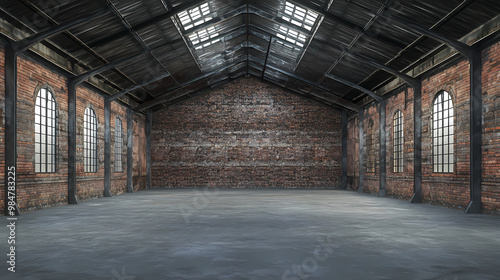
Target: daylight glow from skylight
{"type": "Point", "coordinates": [194, 17]}
{"type": "Point", "coordinates": [299, 17]}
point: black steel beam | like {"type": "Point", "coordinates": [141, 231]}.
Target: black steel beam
{"type": "Point", "coordinates": [372, 94]}
{"type": "Point", "coordinates": [10, 197]}
{"type": "Point", "coordinates": [267, 56]}
{"type": "Point", "coordinates": [82, 77]}
{"type": "Point", "coordinates": [338, 100]}
{"type": "Point", "coordinates": [26, 43]}
{"type": "Point", "coordinates": [382, 149]}
{"type": "Point", "coordinates": [134, 87]}
{"type": "Point", "coordinates": [72, 194]}
{"type": "Point", "coordinates": [476, 113]}
{"type": "Point", "coordinates": [362, 150]}
{"type": "Point", "coordinates": [147, 23]}
{"type": "Point", "coordinates": [149, 124]}
{"type": "Point", "coordinates": [107, 147]}
{"type": "Point", "coordinates": [462, 48]}
{"type": "Point", "coordinates": [417, 143]}
{"type": "Point", "coordinates": [130, 146]}
{"type": "Point", "coordinates": [344, 149]}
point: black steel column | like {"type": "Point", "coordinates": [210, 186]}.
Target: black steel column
{"type": "Point", "coordinates": [10, 130]}
{"type": "Point", "coordinates": [417, 142]}
{"type": "Point", "coordinates": [362, 150]}
{"type": "Point", "coordinates": [72, 142]}
{"type": "Point", "coordinates": [382, 149]}
{"type": "Point", "coordinates": [149, 124]}
{"type": "Point", "coordinates": [130, 159]}
{"type": "Point", "coordinates": [476, 113]}
{"type": "Point", "coordinates": [107, 147]}
{"type": "Point", "coordinates": [344, 149]}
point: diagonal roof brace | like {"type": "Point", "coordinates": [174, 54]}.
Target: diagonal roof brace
{"type": "Point", "coordinates": [462, 48]}
{"type": "Point", "coordinates": [375, 96]}
{"type": "Point", "coordinates": [26, 43]}
{"type": "Point", "coordinates": [134, 87]}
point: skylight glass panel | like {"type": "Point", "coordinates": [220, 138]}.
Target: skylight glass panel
{"type": "Point", "coordinates": [299, 16]}
{"type": "Point", "coordinates": [191, 18]}
{"type": "Point", "coordinates": [196, 16]}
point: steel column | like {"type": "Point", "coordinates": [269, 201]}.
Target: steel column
{"type": "Point", "coordinates": [476, 113]}
{"type": "Point", "coordinates": [344, 149]}
{"type": "Point", "coordinates": [417, 143]}
{"type": "Point", "coordinates": [130, 158]}
{"type": "Point", "coordinates": [10, 129]}
{"type": "Point", "coordinates": [72, 199]}
{"type": "Point", "coordinates": [107, 147]}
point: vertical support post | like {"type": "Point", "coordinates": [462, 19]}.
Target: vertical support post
{"type": "Point", "coordinates": [107, 147]}
{"type": "Point", "coordinates": [476, 113]}
{"type": "Point", "coordinates": [10, 130]}
{"type": "Point", "coordinates": [130, 159]}
{"type": "Point", "coordinates": [149, 124]}
{"type": "Point", "coordinates": [344, 149]}
{"type": "Point", "coordinates": [382, 138]}
{"type": "Point", "coordinates": [72, 142]}
{"type": "Point", "coordinates": [417, 142]}
{"type": "Point", "coordinates": [362, 150]}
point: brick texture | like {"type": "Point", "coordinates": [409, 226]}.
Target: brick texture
{"type": "Point", "coordinates": [491, 130]}
{"type": "Point", "coordinates": [247, 134]}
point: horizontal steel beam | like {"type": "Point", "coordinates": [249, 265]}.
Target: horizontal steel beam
{"type": "Point", "coordinates": [375, 96]}
{"type": "Point", "coordinates": [134, 87]}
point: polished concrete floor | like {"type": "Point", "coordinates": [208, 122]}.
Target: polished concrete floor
{"type": "Point", "coordinates": [252, 234]}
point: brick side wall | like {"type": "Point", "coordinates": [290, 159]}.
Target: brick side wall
{"type": "Point", "coordinates": [450, 190]}
{"type": "Point", "coordinates": [353, 153]}
{"type": "Point", "coordinates": [139, 153]}
{"type": "Point", "coordinates": [400, 185]}
{"type": "Point", "coordinates": [38, 190]}
{"type": "Point", "coordinates": [371, 128]}
{"type": "Point", "coordinates": [247, 134]}
{"type": "Point", "coordinates": [491, 130]}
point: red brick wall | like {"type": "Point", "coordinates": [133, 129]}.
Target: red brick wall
{"type": "Point", "coordinates": [139, 153]}
{"type": "Point", "coordinates": [118, 179]}
{"type": "Point", "coordinates": [372, 179]}
{"type": "Point", "coordinates": [450, 190]}
{"type": "Point", "coordinates": [353, 153]}
{"type": "Point", "coordinates": [36, 190]}
{"type": "Point", "coordinates": [247, 134]}
{"type": "Point", "coordinates": [400, 185]}
{"type": "Point", "coordinates": [491, 130]}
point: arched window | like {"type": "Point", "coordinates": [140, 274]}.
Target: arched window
{"type": "Point", "coordinates": [397, 132]}
{"type": "Point", "coordinates": [45, 132]}
{"type": "Point", "coordinates": [118, 145]}
{"type": "Point", "coordinates": [90, 140]}
{"type": "Point", "coordinates": [370, 148]}
{"type": "Point", "coordinates": [442, 133]}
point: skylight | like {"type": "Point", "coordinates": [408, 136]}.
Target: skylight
{"type": "Point", "coordinates": [299, 17]}
{"type": "Point", "coordinates": [194, 17]}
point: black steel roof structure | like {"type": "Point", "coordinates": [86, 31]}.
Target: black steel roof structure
{"type": "Point", "coordinates": [153, 53]}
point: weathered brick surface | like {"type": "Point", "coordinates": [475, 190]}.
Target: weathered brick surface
{"type": "Point", "coordinates": [353, 153]}
{"type": "Point", "coordinates": [450, 190]}
{"type": "Point", "coordinates": [491, 130]}
{"type": "Point", "coordinates": [247, 134]}
{"type": "Point", "coordinates": [37, 190]}
{"type": "Point", "coordinates": [139, 153]}
{"type": "Point", "coordinates": [400, 185]}
{"type": "Point", "coordinates": [371, 129]}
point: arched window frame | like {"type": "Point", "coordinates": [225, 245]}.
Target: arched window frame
{"type": "Point", "coordinates": [118, 145]}
{"type": "Point", "coordinates": [46, 123]}
{"type": "Point", "coordinates": [90, 140]}
{"type": "Point", "coordinates": [443, 136]}
{"type": "Point", "coordinates": [398, 141]}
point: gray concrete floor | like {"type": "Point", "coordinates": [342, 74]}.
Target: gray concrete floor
{"type": "Point", "coordinates": [253, 234]}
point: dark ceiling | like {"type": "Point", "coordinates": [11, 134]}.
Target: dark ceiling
{"type": "Point", "coordinates": [257, 38]}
